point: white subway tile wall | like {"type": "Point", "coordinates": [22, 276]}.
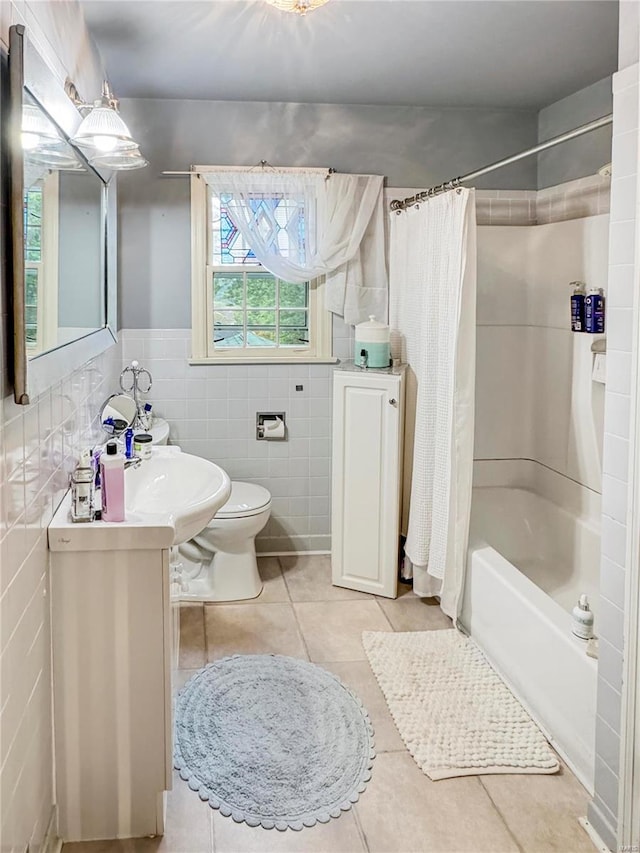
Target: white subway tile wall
{"type": "Point", "coordinates": [40, 446]}
{"type": "Point", "coordinates": [530, 366]}
{"type": "Point", "coordinates": [212, 412]}
{"type": "Point", "coordinates": [506, 207]}
{"type": "Point", "coordinates": [572, 200]}
{"type": "Point", "coordinates": [623, 279]}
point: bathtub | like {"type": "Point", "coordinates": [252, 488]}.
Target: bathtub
{"type": "Point", "coordinates": [534, 548]}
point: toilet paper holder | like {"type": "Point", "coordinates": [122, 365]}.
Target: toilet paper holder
{"type": "Point", "coordinates": [271, 426]}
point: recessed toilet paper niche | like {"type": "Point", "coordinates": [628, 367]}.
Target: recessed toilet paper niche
{"type": "Point", "coordinates": [271, 426]}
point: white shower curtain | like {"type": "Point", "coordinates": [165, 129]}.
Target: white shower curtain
{"type": "Point", "coordinates": [432, 294]}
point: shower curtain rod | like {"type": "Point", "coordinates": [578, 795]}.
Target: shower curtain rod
{"type": "Point", "coordinates": [401, 204]}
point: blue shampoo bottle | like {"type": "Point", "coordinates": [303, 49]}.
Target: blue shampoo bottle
{"type": "Point", "coordinates": [594, 312]}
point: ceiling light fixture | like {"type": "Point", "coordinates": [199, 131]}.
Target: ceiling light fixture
{"type": "Point", "coordinates": [103, 134]}
{"type": "Point", "coordinates": [300, 7]}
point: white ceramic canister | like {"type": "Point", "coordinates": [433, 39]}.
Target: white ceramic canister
{"type": "Point", "coordinates": [372, 347]}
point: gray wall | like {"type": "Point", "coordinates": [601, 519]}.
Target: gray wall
{"type": "Point", "coordinates": [411, 146]}
{"type": "Point", "coordinates": [80, 296]}
{"type": "Point", "coordinates": [582, 156]}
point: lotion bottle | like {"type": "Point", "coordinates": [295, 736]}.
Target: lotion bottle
{"type": "Point", "coordinates": [582, 619]}
{"type": "Point", "coordinates": [112, 479]}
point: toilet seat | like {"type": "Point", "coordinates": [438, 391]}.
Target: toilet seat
{"type": "Point", "coordinates": [245, 499]}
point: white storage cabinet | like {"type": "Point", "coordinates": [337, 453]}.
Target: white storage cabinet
{"type": "Point", "coordinates": [368, 424]}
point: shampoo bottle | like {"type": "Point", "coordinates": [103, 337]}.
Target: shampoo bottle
{"type": "Point", "coordinates": [577, 306]}
{"type": "Point", "coordinates": [594, 312]}
{"type": "Point", "coordinates": [112, 478]}
{"type": "Point", "coordinates": [582, 619]}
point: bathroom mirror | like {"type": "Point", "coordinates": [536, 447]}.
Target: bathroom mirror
{"type": "Point", "coordinates": [118, 413]}
{"type": "Point", "coordinates": [62, 231]}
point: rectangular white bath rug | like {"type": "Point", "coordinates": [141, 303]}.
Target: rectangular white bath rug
{"type": "Point", "coordinates": [453, 711]}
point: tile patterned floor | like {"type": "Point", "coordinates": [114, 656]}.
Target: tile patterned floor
{"type": "Point", "coordinates": [299, 613]}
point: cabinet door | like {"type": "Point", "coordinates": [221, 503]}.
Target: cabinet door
{"type": "Point", "coordinates": [366, 482]}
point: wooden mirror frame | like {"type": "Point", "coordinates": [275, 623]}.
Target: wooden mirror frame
{"type": "Point", "coordinates": [16, 215]}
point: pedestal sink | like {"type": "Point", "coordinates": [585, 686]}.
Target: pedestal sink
{"type": "Point", "coordinates": [112, 631]}
{"type": "Point", "coordinates": [168, 499]}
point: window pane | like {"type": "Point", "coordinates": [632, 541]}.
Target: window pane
{"type": "Point", "coordinates": [261, 318]}
{"type": "Point", "coordinates": [294, 337]}
{"type": "Point", "coordinates": [33, 224]}
{"type": "Point", "coordinates": [31, 335]}
{"type": "Point", "coordinates": [31, 287]}
{"type": "Point", "coordinates": [225, 338]}
{"type": "Point", "coordinates": [293, 295]}
{"type": "Point", "coordinates": [33, 247]}
{"type": "Point", "coordinates": [227, 244]}
{"type": "Point", "coordinates": [227, 317]}
{"type": "Point", "coordinates": [228, 289]}
{"type": "Point", "coordinates": [34, 207]}
{"type": "Point", "coordinates": [261, 338]}
{"type": "Point", "coordinates": [261, 291]}
{"type": "Point", "coordinates": [293, 318]}
{"type": "Point", "coordinates": [279, 219]}
{"type": "Point", "coordinates": [31, 315]}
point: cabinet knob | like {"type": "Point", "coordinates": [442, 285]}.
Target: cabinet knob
{"type": "Point", "coordinates": [393, 402]}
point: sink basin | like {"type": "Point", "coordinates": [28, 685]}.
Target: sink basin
{"type": "Point", "coordinates": [184, 489]}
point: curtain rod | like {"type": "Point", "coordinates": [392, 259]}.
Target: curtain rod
{"type": "Point", "coordinates": [401, 204]}
{"type": "Point", "coordinates": [263, 165]}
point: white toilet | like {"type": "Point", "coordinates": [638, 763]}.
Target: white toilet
{"type": "Point", "coordinates": [219, 564]}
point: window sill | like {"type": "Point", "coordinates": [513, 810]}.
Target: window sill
{"type": "Point", "coordinates": [307, 359]}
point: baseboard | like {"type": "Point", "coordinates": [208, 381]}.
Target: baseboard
{"type": "Point", "coordinates": [51, 843]}
{"type": "Point", "coordinates": [291, 553]}
{"type": "Point", "coordinates": [597, 842]}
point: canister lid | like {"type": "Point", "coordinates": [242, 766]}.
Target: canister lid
{"type": "Point", "coordinates": [372, 331]}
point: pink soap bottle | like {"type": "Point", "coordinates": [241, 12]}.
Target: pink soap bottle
{"type": "Point", "coordinates": [112, 479]}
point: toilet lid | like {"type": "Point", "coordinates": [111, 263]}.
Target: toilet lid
{"type": "Point", "coordinates": [245, 499]}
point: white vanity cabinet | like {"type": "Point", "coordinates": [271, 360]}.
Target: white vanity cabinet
{"type": "Point", "coordinates": [111, 626]}
{"type": "Point", "coordinates": [368, 424]}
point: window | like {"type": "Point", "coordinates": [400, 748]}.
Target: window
{"type": "Point", "coordinates": [241, 312]}
{"type": "Point", "coordinates": [41, 263]}
{"type": "Point", "coordinates": [33, 265]}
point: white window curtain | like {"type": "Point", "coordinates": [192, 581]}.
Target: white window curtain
{"type": "Point", "coordinates": [326, 224]}
{"type": "Point", "coordinates": [432, 267]}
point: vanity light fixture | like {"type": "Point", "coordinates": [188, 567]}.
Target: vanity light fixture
{"type": "Point", "coordinates": [36, 129]}
{"type": "Point", "coordinates": [57, 157]}
{"type": "Point", "coordinates": [103, 134]}
{"type": "Point", "coordinates": [300, 7]}
{"type": "Point", "coordinates": [120, 160]}
{"type": "Point", "coordinates": [42, 144]}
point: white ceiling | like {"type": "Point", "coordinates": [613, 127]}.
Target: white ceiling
{"type": "Point", "coordinates": [501, 53]}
